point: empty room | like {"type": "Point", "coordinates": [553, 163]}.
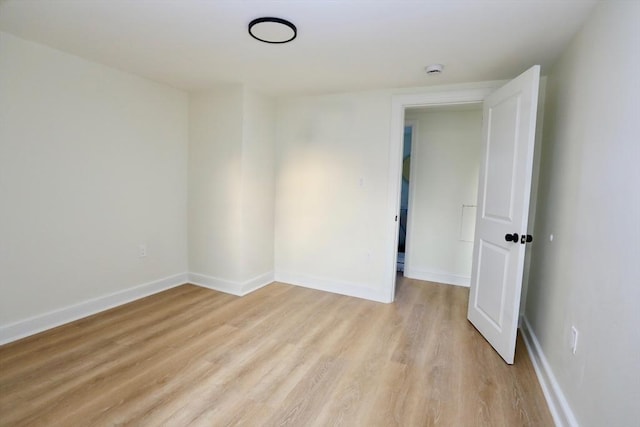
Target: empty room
{"type": "Point", "coordinates": [318, 213]}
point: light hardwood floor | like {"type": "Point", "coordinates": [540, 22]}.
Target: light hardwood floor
{"type": "Point", "coordinates": [282, 355]}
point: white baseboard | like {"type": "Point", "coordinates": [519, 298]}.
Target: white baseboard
{"type": "Point", "coordinates": [230, 286]}
{"type": "Point", "coordinates": [257, 282]}
{"type": "Point", "coordinates": [351, 289]}
{"type": "Point", "coordinates": [437, 276]}
{"type": "Point", "coordinates": [42, 322]}
{"type": "Point", "coordinates": [558, 405]}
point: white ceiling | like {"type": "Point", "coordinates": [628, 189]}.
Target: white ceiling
{"type": "Point", "coordinates": [341, 45]}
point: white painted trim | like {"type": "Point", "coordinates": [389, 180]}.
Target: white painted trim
{"type": "Point", "coordinates": [558, 405]}
{"type": "Point", "coordinates": [215, 283]}
{"type": "Point", "coordinates": [437, 276]}
{"type": "Point", "coordinates": [341, 287]}
{"type": "Point", "coordinates": [42, 322]}
{"type": "Point", "coordinates": [399, 102]}
{"type": "Point", "coordinates": [230, 286]}
{"type": "Point", "coordinates": [257, 282]}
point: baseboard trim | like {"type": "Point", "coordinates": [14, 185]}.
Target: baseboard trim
{"type": "Point", "coordinates": [437, 276]}
{"type": "Point", "coordinates": [257, 282]}
{"type": "Point", "coordinates": [351, 289]}
{"type": "Point", "coordinates": [558, 405]}
{"type": "Point", "coordinates": [42, 322]}
{"type": "Point", "coordinates": [230, 286]}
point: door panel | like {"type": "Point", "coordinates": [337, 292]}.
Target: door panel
{"type": "Point", "coordinates": [501, 159]}
{"type": "Point", "coordinates": [493, 260]}
{"type": "Point", "coordinates": [503, 206]}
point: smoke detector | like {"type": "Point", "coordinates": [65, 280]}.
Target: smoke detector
{"type": "Point", "coordinates": [434, 69]}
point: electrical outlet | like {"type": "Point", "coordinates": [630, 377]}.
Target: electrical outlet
{"type": "Point", "coordinates": [574, 339]}
{"type": "Point", "coordinates": [142, 250]}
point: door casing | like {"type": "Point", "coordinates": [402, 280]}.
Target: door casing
{"type": "Point", "coordinates": [470, 94]}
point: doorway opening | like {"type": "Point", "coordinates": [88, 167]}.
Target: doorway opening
{"type": "Point", "coordinates": [440, 170]}
{"type": "Point", "coordinates": [400, 103]}
{"type": "Point", "coordinates": [407, 142]}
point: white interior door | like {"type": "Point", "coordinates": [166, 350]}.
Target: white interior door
{"type": "Point", "coordinates": [503, 206]}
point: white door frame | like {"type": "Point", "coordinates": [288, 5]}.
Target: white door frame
{"type": "Point", "coordinates": [399, 103]}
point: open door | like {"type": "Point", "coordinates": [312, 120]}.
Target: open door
{"type": "Point", "coordinates": [503, 206]}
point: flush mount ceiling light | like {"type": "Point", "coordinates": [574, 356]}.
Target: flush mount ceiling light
{"type": "Point", "coordinates": [272, 30]}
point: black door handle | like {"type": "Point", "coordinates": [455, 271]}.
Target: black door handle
{"type": "Point", "coordinates": [526, 239]}
{"type": "Point", "coordinates": [511, 237]}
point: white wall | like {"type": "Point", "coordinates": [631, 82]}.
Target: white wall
{"type": "Point", "coordinates": [215, 159]}
{"type": "Point", "coordinates": [92, 164]}
{"type": "Point", "coordinates": [258, 185]}
{"type": "Point", "coordinates": [331, 192]}
{"type": "Point", "coordinates": [588, 198]}
{"type": "Point", "coordinates": [231, 188]}
{"type": "Point", "coordinates": [445, 163]}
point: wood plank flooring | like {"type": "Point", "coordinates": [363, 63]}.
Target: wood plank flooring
{"type": "Point", "coordinates": [282, 355]}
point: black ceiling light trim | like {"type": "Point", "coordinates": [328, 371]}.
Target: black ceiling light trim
{"type": "Point", "coordinates": [271, 19]}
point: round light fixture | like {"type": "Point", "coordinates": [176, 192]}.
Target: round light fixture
{"type": "Point", "coordinates": [272, 30]}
